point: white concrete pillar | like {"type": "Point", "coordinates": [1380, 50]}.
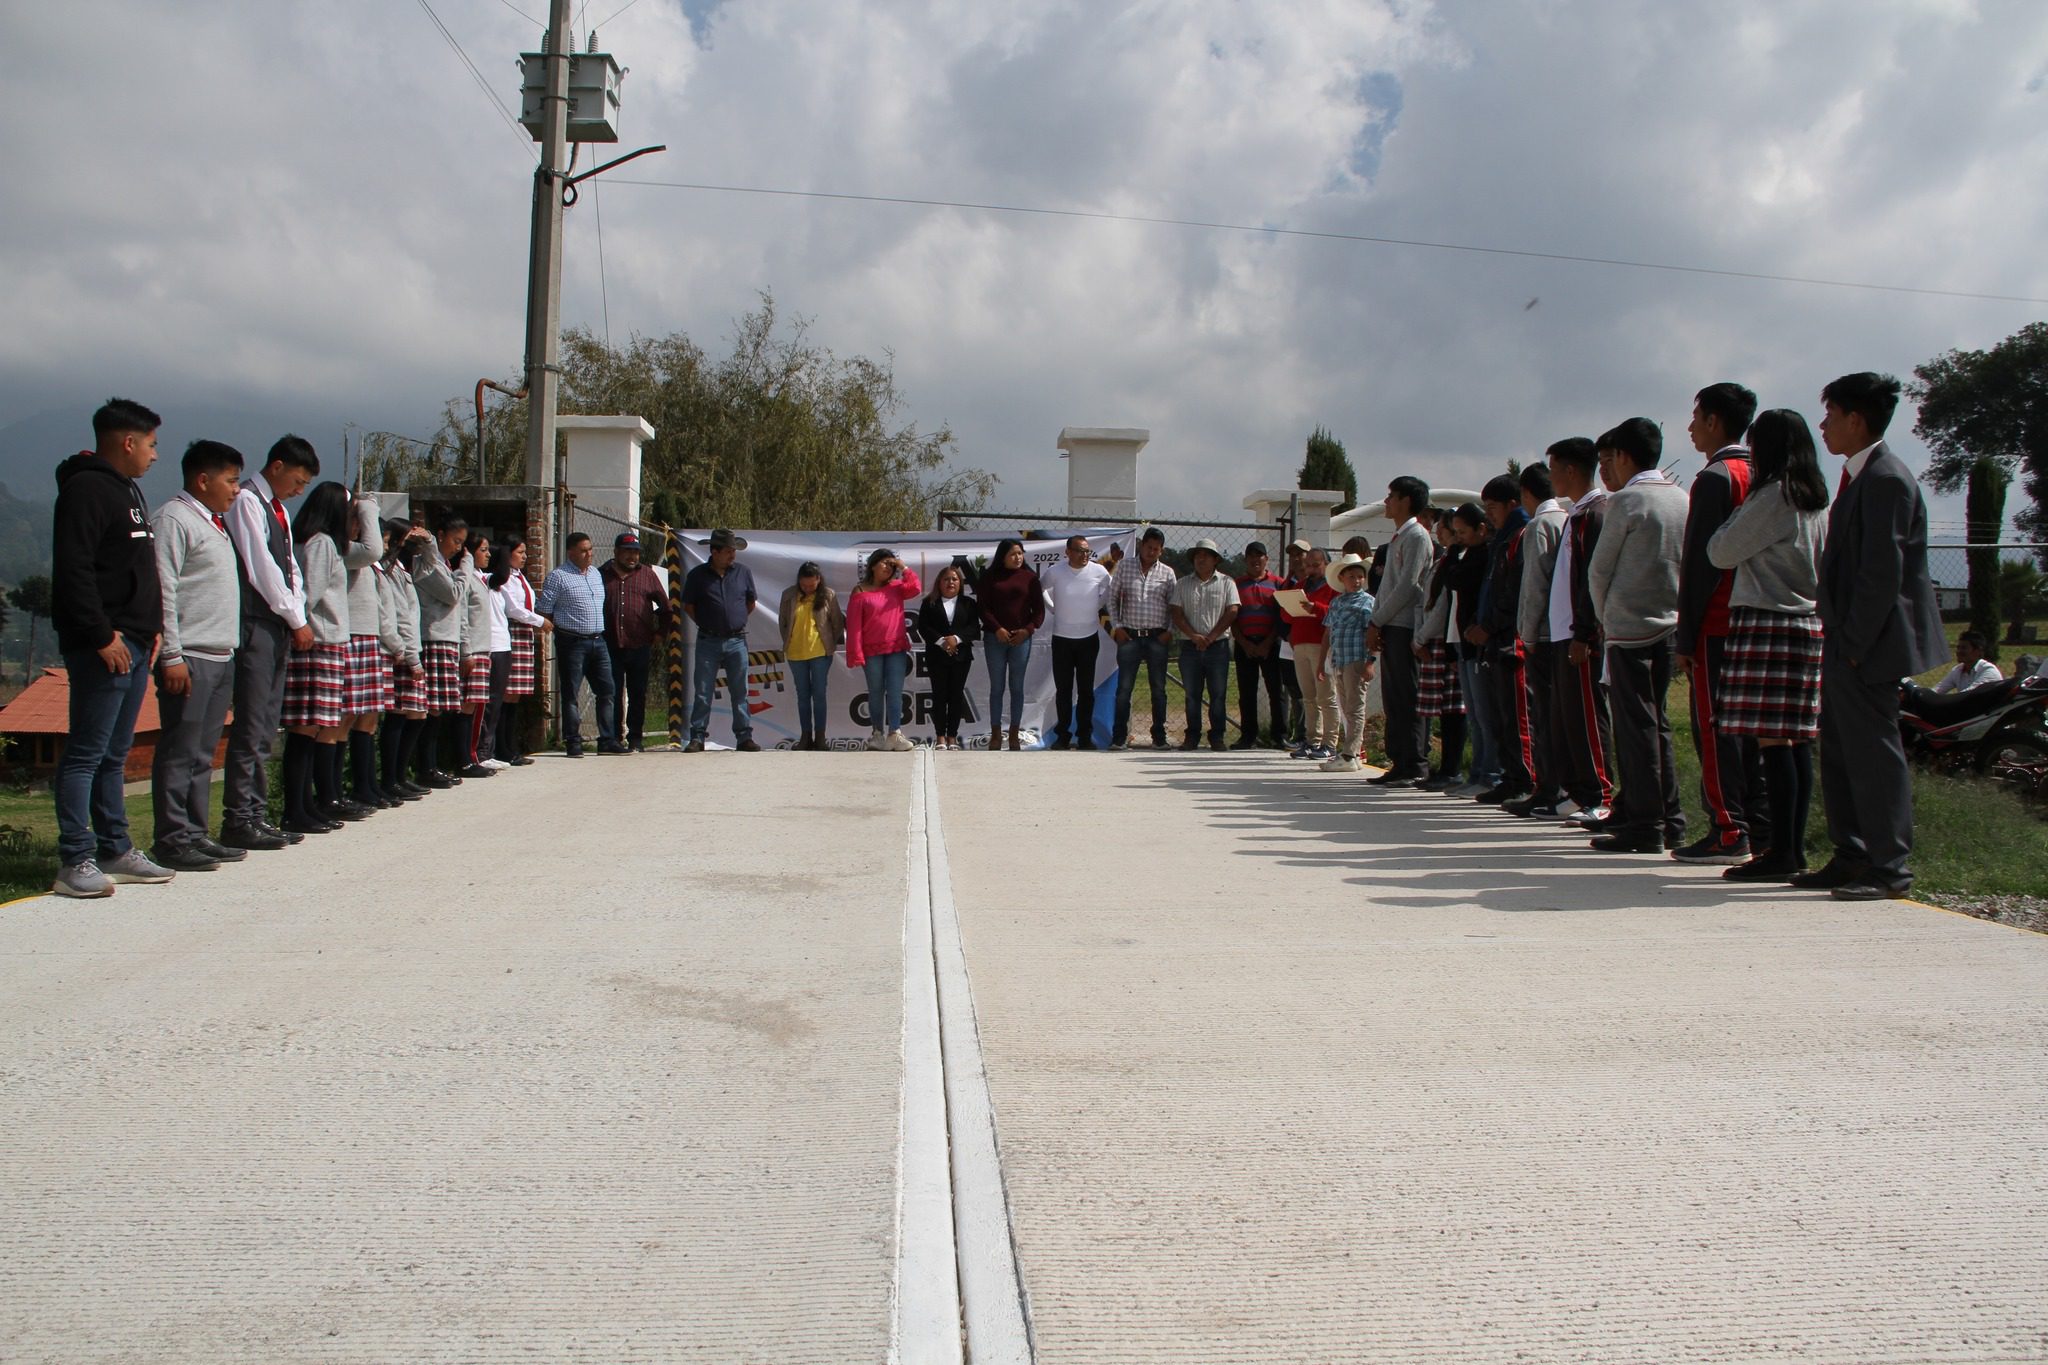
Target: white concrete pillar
{"type": "Point", "coordinates": [1313, 516]}
{"type": "Point", "coordinates": [602, 462]}
{"type": "Point", "coordinates": [1102, 470]}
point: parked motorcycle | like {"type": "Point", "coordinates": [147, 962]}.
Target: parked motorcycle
{"type": "Point", "coordinates": [1997, 729]}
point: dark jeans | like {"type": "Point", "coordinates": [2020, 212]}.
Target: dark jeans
{"type": "Point", "coordinates": [259, 706]}
{"type": "Point", "coordinates": [1724, 759]}
{"type": "Point", "coordinates": [1202, 669]}
{"type": "Point", "coordinates": [629, 701]}
{"type": "Point", "coordinates": [181, 776]}
{"type": "Point", "coordinates": [716, 652]}
{"type": "Point", "coordinates": [580, 657]}
{"type": "Point", "coordinates": [92, 811]}
{"type": "Point", "coordinates": [1149, 649]}
{"type": "Point", "coordinates": [1073, 670]}
{"type": "Point", "coordinates": [811, 678]}
{"type": "Point", "coordinates": [948, 673]}
{"type": "Point", "coordinates": [1400, 688]}
{"type": "Point", "coordinates": [1278, 675]}
{"type": "Point", "coordinates": [1637, 681]}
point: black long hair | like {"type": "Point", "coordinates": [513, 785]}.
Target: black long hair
{"type": "Point", "coordinates": [324, 512]}
{"type": "Point", "coordinates": [501, 561]}
{"type": "Point", "coordinates": [996, 569]}
{"type": "Point", "coordinates": [1781, 450]}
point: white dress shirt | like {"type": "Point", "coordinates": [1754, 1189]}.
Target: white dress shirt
{"type": "Point", "coordinates": [1961, 679]}
{"type": "Point", "coordinates": [249, 517]}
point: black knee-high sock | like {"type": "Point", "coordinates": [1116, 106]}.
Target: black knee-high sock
{"type": "Point", "coordinates": [326, 774]}
{"type": "Point", "coordinates": [390, 748]}
{"type": "Point", "coordinates": [1802, 796]}
{"type": "Point", "coordinates": [455, 739]}
{"type": "Point", "coordinates": [297, 775]}
{"type": "Point", "coordinates": [411, 758]}
{"type": "Point", "coordinates": [1783, 785]}
{"type": "Point", "coordinates": [362, 759]}
{"type": "Point", "coordinates": [1452, 728]}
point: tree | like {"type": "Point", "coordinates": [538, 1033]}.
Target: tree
{"type": "Point", "coordinates": [1984, 506]}
{"type": "Point", "coordinates": [2020, 595]}
{"type": "Point", "coordinates": [1327, 466]}
{"type": "Point", "coordinates": [1989, 405]}
{"type": "Point", "coordinates": [33, 597]}
{"type": "Point", "coordinates": [779, 433]}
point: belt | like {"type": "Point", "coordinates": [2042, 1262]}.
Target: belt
{"type": "Point", "coordinates": [1144, 630]}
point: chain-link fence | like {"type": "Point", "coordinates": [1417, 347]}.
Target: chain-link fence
{"type": "Point", "coordinates": [2023, 606]}
{"type": "Point", "coordinates": [1231, 537]}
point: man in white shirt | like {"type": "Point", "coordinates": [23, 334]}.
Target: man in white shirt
{"type": "Point", "coordinates": [1972, 668]}
{"type": "Point", "coordinates": [1075, 590]}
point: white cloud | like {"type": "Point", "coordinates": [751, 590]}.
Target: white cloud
{"type": "Point", "coordinates": [268, 199]}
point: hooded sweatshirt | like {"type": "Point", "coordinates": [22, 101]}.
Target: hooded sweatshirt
{"type": "Point", "coordinates": [103, 574]}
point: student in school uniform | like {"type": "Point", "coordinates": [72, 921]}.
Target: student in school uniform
{"type": "Point", "coordinates": [436, 577]}
{"type": "Point", "coordinates": [195, 665]}
{"type": "Point", "coordinates": [369, 666]}
{"type": "Point", "coordinates": [478, 642]}
{"type": "Point", "coordinates": [316, 679]}
{"type": "Point", "coordinates": [398, 617]}
{"type": "Point", "coordinates": [1439, 696]}
{"type": "Point", "coordinates": [524, 627]}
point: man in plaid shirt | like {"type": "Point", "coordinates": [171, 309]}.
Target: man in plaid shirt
{"type": "Point", "coordinates": [1140, 611]}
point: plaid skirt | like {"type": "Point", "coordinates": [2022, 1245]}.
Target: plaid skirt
{"type": "Point", "coordinates": [408, 691]}
{"type": "Point", "coordinates": [524, 669]}
{"type": "Point", "coordinates": [1441, 694]}
{"type": "Point", "coordinates": [369, 677]}
{"type": "Point", "coordinates": [1771, 686]}
{"type": "Point", "coordinates": [315, 682]}
{"type": "Point", "coordinates": [444, 677]}
{"type": "Point", "coordinates": [476, 680]}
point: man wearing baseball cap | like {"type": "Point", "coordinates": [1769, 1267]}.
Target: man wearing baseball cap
{"type": "Point", "coordinates": [635, 610]}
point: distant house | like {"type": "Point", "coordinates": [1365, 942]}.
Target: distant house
{"type": "Point", "coordinates": [36, 723]}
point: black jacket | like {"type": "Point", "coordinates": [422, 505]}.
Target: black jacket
{"type": "Point", "coordinates": [103, 558]}
{"type": "Point", "coordinates": [1703, 590]}
{"type": "Point", "coordinates": [1500, 596]}
{"type": "Point", "coordinates": [932, 628]}
{"type": "Point", "coordinates": [1583, 526]}
{"type": "Point", "coordinates": [1876, 598]}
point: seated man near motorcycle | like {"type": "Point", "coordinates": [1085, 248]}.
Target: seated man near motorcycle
{"type": "Point", "coordinates": [1972, 668]}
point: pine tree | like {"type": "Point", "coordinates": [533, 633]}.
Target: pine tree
{"type": "Point", "coordinates": [1327, 466]}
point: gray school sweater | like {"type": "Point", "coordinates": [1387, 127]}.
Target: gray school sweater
{"type": "Point", "coordinates": [476, 613]}
{"type": "Point", "coordinates": [1402, 600]}
{"type": "Point", "coordinates": [1774, 549]}
{"type": "Point", "coordinates": [1633, 574]}
{"type": "Point", "coordinates": [1539, 560]}
{"type": "Point", "coordinates": [440, 598]}
{"type": "Point", "coordinates": [202, 583]}
{"type": "Point", "coordinates": [360, 561]}
{"type": "Point", "coordinates": [326, 588]}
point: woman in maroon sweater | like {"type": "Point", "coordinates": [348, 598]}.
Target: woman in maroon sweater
{"type": "Point", "coordinates": [1012, 610]}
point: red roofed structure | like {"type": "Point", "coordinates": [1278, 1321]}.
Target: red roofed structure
{"type": "Point", "coordinates": [37, 722]}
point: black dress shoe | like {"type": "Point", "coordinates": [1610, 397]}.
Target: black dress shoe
{"type": "Point", "coordinates": [283, 834]}
{"type": "Point", "coordinates": [247, 837]}
{"type": "Point", "coordinates": [311, 825]}
{"type": "Point", "coordinates": [1629, 843]}
{"type": "Point", "coordinates": [438, 781]}
{"type": "Point", "coordinates": [1871, 888]}
{"type": "Point", "coordinates": [1831, 874]}
{"type": "Point", "coordinates": [343, 810]}
{"type": "Point", "coordinates": [1765, 867]}
{"type": "Point", "coordinates": [1246, 743]}
{"type": "Point", "coordinates": [479, 770]}
{"type": "Point", "coordinates": [1498, 796]}
{"type": "Point", "coordinates": [1060, 742]}
{"type": "Point", "coordinates": [220, 853]}
{"type": "Point", "coordinates": [520, 761]}
{"type": "Point", "coordinates": [191, 858]}
{"type": "Point", "coordinates": [1190, 744]}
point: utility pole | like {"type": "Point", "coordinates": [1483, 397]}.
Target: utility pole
{"type": "Point", "coordinates": [544, 265]}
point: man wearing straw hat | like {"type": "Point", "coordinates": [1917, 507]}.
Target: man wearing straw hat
{"type": "Point", "coordinates": [1204, 605]}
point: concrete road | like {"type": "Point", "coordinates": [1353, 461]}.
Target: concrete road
{"type": "Point", "coordinates": [624, 1060]}
{"type": "Point", "coordinates": [593, 1061]}
{"type": "Point", "coordinates": [1286, 1070]}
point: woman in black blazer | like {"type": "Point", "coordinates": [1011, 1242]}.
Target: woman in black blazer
{"type": "Point", "coordinates": [949, 623]}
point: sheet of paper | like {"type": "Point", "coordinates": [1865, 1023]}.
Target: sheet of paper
{"type": "Point", "coordinates": [1293, 601]}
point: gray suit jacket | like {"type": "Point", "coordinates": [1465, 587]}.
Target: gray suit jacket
{"type": "Point", "coordinates": [1876, 598]}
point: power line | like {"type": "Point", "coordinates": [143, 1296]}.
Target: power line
{"type": "Point", "coordinates": [603, 291]}
{"type": "Point", "coordinates": [522, 13]}
{"type": "Point", "coordinates": [1102, 216]}
{"type": "Point", "coordinates": [615, 13]}
{"type": "Point", "coordinates": [478, 76]}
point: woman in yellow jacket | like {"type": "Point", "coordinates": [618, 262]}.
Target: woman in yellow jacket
{"type": "Point", "coordinates": [812, 628]}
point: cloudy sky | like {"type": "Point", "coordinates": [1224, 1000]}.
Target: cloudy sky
{"type": "Point", "coordinates": [313, 209]}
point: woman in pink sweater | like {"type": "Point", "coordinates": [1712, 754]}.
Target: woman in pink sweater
{"type": "Point", "coordinates": [878, 643]}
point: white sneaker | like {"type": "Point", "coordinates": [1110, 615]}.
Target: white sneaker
{"type": "Point", "coordinates": [1342, 763]}
{"type": "Point", "coordinates": [876, 742]}
{"type": "Point", "coordinates": [83, 881]}
{"type": "Point", "coordinates": [1590, 817]}
{"type": "Point", "coordinates": [1567, 808]}
{"type": "Point", "coordinates": [496, 764]}
{"type": "Point", "coordinates": [135, 866]}
{"type": "Point", "coordinates": [898, 743]}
